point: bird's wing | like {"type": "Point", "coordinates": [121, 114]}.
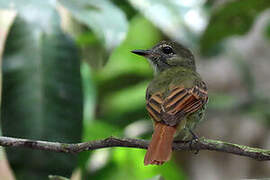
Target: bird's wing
{"type": "Point", "coordinates": [179, 102]}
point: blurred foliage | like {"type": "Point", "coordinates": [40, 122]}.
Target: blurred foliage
{"type": "Point", "coordinates": [125, 75]}
{"type": "Point", "coordinates": [125, 6]}
{"type": "Point", "coordinates": [174, 17]}
{"type": "Point", "coordinates": [51, 177]}
{"type": "Point", "coordinates": [93, 52]}
{"type": "Point", "coordinates": [90, 86]}
{"type": "Point", "coordinates": [267, 31]}
{"type": "Point", "coordinates": [100, 16]}
{"type": "Point", "coordinates": [234, 18]}
{"type": "Point", "coordinates": [39, 100]}
{"type": "Point", "coordinates": [128, 164]}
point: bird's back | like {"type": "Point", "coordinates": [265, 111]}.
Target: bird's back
{"type": "Point", "coordinates": [177, 76]}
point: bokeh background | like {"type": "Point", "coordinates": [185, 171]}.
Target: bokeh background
{"type": "Point", "coordinates": [68, 76]}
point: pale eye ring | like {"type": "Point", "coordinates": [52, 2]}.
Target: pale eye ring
{"type": "Point", "coordinates": [167, 50]}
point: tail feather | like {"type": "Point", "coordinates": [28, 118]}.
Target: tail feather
{"type": "Point", "coordinates": [160, 147]}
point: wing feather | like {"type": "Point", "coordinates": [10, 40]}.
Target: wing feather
{"type": "Point", "coordinates": [179, 103]}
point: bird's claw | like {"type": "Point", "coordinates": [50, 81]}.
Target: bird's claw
{"type": "Point", "coordinates": [194, 140]}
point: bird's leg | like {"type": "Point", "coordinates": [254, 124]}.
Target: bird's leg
{"type": "Point", "coordinates": [194, 140]}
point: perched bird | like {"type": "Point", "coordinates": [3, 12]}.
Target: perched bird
{"type": "Point", "coordinates": [175, 99]}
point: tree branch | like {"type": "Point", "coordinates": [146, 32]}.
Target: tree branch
{"type": "Point", "coordinates": [202, 144]}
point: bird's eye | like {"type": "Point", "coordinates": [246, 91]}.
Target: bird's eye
{"type": "Point", "coordinates": [167, 50]}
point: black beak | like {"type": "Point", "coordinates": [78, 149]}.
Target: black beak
{"type": "Point", "coordinates": [141, 52]}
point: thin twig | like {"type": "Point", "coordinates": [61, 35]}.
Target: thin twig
{"type": "Point", "coordinates": [202, 144]}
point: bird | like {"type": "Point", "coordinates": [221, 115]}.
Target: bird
{"type": "Point", "coordinates": [176, 98]}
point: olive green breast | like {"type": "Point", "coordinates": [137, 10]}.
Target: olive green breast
{"type": "Point", "coordinates": [177, 76]}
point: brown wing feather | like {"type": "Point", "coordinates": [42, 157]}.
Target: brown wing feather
{"type": "Point", "coordinates": [153, 105]}
{"type": "Point", "coordinates": [179, 103]}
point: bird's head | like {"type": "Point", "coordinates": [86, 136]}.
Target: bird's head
{"type": "Point", "coordinates": [166, 55]}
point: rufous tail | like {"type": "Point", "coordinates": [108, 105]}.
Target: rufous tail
{"type": "Point", "coordinates": [160, 147]}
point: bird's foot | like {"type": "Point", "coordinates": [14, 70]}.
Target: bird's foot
{"type": "Point", "coordinates": [194, 140]}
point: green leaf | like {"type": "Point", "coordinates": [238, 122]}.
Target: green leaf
{"type": "Point", "coordinates": [42, 95]}
{"type": "Point", "coordinates": [106, 20]}
{"type": "Point", "coordinates": [234, 18]}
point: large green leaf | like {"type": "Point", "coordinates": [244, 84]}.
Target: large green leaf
{"type": "Point", "coordinates": [42, 95]}
{"type": "Point", "coordinates": [234, 18]}
{"type": "Point", "coordinates": [106, 20]}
